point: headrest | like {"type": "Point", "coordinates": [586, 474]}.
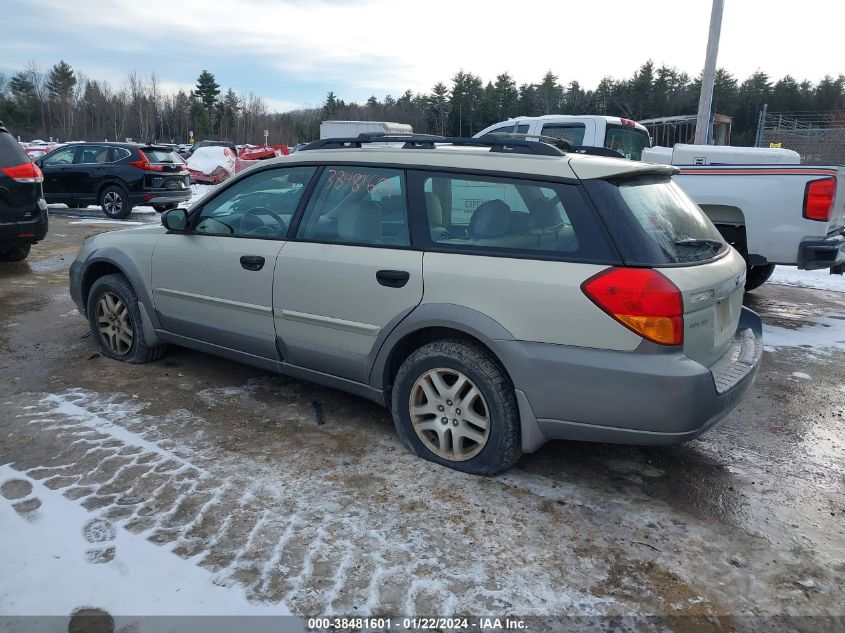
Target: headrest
{"type": "Point", "coordinates": [359, 222]}
{"type": "Point", "coordinates": [491, 219]}
{"type": "Point", "coordinates": [434, 209]}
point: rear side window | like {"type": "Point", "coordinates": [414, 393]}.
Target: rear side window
{"type": "Point", "coordinates": [572, 132]}
{"type": "Point", "coordinates": [511, 216]}
{"type": "Point", "coordinates": [11, 152]}
{"type": "Point", "coordinates": [653, 222]}
{"type": "Point", "coordinates": [93, 154]}
{"type": "Point", "coordinates": [162, 156]}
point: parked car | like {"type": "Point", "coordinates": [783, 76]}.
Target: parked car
{"type": "Point", "coordinates": [209, 143]}
{"type": "Point", "coordinates": [23, 211]}
{"type": "Point", "coordinates": [493, 296]}
{"type": "Point", "coordinates": [767, 205]}
{"type": "Point", "coordinates": [116, 176]}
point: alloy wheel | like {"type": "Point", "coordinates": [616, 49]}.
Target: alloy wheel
{"type": "Point", "coordinates": [113, 203]}
{"type": "Point", "coordinates": [449, 414]}
{"type": "Point", "coordinates": [114, 324]}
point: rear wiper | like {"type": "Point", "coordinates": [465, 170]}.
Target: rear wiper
{"type": "Point", "coordinates": [693, 241]}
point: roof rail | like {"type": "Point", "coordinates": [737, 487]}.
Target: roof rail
{"type": "Point", "coordinates": [428, 141]}
{"type": "Point", "coordinates": [560, 143]}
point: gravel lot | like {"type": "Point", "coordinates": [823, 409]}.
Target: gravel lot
{"type": "Point", "coordinates": [219, 473]}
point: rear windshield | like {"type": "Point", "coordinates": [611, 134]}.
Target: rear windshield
{"type": "Point", "coordinates": [11, 152]}
{"type": "Point", "coordinates": [162, 156]}
{"type": "Point", "coordinates": [653, 222]}
{"type": "Point", "coordinates": [628, 141]}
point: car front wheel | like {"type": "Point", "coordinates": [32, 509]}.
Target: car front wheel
{"type": "Point", "coordinates": [115, 320]}
{"type": "Point", "coordinates": [454, 405]}
{"type": "Point", "coordinates": [115, 202]}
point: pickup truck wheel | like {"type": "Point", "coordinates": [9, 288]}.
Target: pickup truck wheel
{"type": "Point", "coordinates": [115, 202]}
{"type": "Point", "coordinates": [17, 253]}
{"type": "Point", "coordinates": [757, 276]}
{"type": "Point", "coordinates": [454, 405]}
{"type": "Point", "coordinates": [115, 321]}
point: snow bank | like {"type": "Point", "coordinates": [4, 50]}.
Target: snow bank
{"type": "Point", "coordinates": [818, 279]}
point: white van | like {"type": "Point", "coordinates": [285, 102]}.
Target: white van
{"type": "Point", "coordinates": [351, 129]}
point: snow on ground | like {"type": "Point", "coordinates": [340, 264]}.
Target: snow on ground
{"type": "Point", "coordinates": [58, 549]}
{"type": "Point", "coordinates": [820, 335]}
{"type": "Point", "coordinates": [819, 279]}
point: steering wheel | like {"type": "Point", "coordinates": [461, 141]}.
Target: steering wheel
{"type": "Point", "coordinates": [262, 229]}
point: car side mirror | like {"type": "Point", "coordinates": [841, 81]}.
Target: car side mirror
{"type": "Point", "coordinates": [175, 220]}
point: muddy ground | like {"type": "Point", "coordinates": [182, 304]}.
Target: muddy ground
{"type": "Point", "coordinates": [224, 466]}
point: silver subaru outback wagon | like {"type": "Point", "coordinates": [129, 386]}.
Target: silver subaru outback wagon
{"type": "Point", "coordinates": [494, 294]}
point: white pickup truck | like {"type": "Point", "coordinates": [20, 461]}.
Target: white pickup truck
{"type": "Point", "coordinates": [771, 208]}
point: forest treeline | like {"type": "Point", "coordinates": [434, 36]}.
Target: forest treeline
{"type": "Point", "coordinates": [63, 103]}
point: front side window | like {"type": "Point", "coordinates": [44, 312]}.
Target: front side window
{"type": "Point", "coordinates": [503, 214]}
{"type": "Point", "coordinates": [63, 156]}
{"type": "Point", "coordinates": [357, 205]}
{"type": "Point", "coordinates": [259, 206]}
{"type": "Point", "coordinates": [572, 132]}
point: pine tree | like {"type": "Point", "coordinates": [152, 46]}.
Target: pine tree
{"type": "Point", "coordinates": [61, 81]}
{"type": "Point", "coordinates": [207, 89]}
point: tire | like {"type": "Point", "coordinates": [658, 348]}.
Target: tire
{"type": "Point", "coordinates": [17, 253]}
{"type": "Point", "coordinates": [115, 202]}
{"type": "Point", "coordinates": [120, 308]}
{"type": "Point", "coordinates": [757, 276]}
{"type": "Point", "coordinates": [446, 362]}
{"type": "Point", "coordinates": [161, 208]}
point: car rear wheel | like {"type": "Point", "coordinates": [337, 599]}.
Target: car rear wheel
{"type": "Point", "coordinates": [16, 253]}
{"type": "Point", "coordinates": [757, 276]}
{"type": "Point", "coordinates": [454, 405]}
{"type": "Point", "coordinates": [115, 320]}
{"type": "Point", "coordinates": [115, 202]}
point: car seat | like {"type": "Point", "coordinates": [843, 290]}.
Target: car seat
{"type": "Point", "coordinates": [359, 222]}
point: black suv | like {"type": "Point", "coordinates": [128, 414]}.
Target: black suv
{"type": "Point", "coordinates": [117, 176]}
{"type": "Point", "coordinates": [23, 212]}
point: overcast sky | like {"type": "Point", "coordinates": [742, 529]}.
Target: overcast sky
{"type": "Point", "coordinates": [293, 53]}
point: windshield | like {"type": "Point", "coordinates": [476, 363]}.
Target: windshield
{"type": "Point", "coordinates": [628, 141]}
{"type": "Point", "coordinates": [163, 156]}
{"type": "Point", "coordinates": [653, 222]}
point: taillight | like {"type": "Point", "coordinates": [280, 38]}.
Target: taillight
{"type": "Point", "coordinates": [28, 172]}
{"type": "Point", "coordinates": [641, 299]}
{"type": "Point", "coordinates": [145, 164]}
{"type": "Point", "coordinates": [628, 122]}
{"type": "Point", "coordinates": [818, 199]}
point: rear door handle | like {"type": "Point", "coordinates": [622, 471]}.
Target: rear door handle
{"type": "Point", "coordinates": [393, 278]}
{"type": "Point", "coordinates": [252, 262]}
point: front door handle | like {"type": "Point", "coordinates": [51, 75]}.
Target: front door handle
{"type": "Point", "coordinates": [393, 278]}
{"type": "Point", "coordinates": [252, 262]}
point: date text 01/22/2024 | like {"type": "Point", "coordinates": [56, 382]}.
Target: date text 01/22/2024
{"type": "Point", "coordinates": [417, 624]}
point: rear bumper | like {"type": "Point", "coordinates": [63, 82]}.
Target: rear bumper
{"type": "Point", "coordinates": [650, 396]}
{"type": "Point", "coordinates": [150, 198]}
{"type": "Point", "coordinates": [28, 230]}
{"type": "Point", "coordinates": [825, 253]}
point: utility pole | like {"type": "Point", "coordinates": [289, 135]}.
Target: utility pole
{"type": "Point", "coordinates": [705, 101]}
